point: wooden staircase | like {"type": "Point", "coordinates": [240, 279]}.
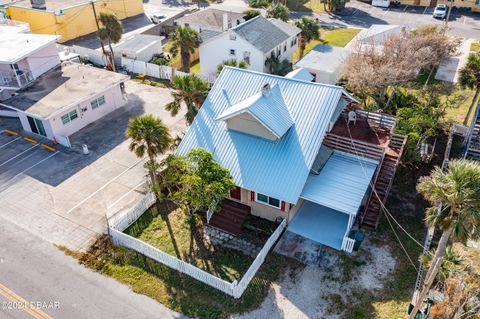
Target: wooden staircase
{"type": "Point", "coordinates": [231, 217]}
{"type": "Point", "coordinates": [473, 146]}
{"type": "Point", "coordinates": [383, 183]}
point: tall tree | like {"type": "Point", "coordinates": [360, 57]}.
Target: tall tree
{"type": "Point", "coordinates": [250, 14]}
{"type": "Point", "coordinates": [189, 90]}
{"type": "Point", "coordinates": [151, 137]}
{"type": "Point", "coordinates": [111, 31]}
{"type": "Point", "coordinates": [232, 62]}
{"type": "Point", "coordinates": [470, 78]}
{"type": "Point", "coordinates": [184, 42]}
{"type": "Point", "coordinates": [310, 31]}
{"type": "Point", "coordinates": [277, 67]}
{"type": "Point", "coordinates": [278, 11]}
{"type": "Point", "coordinates": [458, 191]}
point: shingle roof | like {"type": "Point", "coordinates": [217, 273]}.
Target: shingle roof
{"type": "Point", "coordinates": [286, 27]}
{"type": "Point", "coordinates": [276, 168]}
{"type": "Point", "coordinates": [211, 17]}
{"type": "Point", "coordinates": [270, 110]}
{"type": "Point", "coordinates": [262, 33]}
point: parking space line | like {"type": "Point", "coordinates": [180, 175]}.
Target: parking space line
{"type": "Point", "coordinates": [37, 163]}
{"type": "Point", "coordinates": [464, 19]}
{"type": "Point", "coordinates": [405, 10]}
{"type": "Point", "coordinates": [105, 185]}
{"type": "Point", "coordinates": [12, 158]}
{"type": "Point", "coordinates": [425, 10]}
{"type": "Point", "coordinates": [386, 11]}
{"type": "Point", "coordinates": [2, 146]}
{"type": "Point", "coordinates": [125, 195]}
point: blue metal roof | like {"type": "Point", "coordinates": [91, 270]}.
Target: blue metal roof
{"type": "Point", "coordinates": [342, 182]}
{"type": "Point", "coordinates": [276, 168]}
{"type": "Point", "coordinates": [300, 74]}
{"type": "Point", "coordinates": [269, 109]}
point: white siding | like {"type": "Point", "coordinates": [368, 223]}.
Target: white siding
{"type": "Point", "coordinates": [217, 50]}
{"type": "Point", "coordinates": [43, 60]}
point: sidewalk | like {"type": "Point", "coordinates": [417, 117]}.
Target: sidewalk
{"type": "Point", "coordinates": [449, 70]}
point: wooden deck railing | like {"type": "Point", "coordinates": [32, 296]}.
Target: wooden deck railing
{"type": "Point", "coordinates": [380, 119]}
{"type": "Point", "coordinates": [352, 146]}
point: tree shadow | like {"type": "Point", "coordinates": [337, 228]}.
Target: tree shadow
{"type": "Point", "coordinates": [164, 211]}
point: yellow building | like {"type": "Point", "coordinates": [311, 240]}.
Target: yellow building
{"type": "Point", "coordinates": [68, 18]}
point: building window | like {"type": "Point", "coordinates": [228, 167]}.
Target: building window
{"type": "Point", "coordinates": [97, 102]}
{"type": "Point", "coordinates": [270, 201]}
{"type": "Point", "coordinates": [295, 41]}
{"type": "Point", "coordinates": [232, 52]}
{"type": "Point", "coordinates": [284, 47]}
{"type": "Point", "coordinates": [70, 116]}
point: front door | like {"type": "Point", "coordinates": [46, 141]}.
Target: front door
{"type": "Point", "coordinates": [36, 126]}
{"type": "Point", "coordinates": [236, 193]}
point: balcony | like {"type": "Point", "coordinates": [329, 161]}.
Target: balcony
{"type": "Point", "coordinates": [15, 80]}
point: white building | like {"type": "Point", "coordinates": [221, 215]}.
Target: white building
{"type": "Point", "coordinates": [324, 62]}
{"type": "Point", "coordinates": [24, 57]}
{"type": "Point", "coordinates": [66, 99]}
{"type": "Point", "coordinates": [13, 26]}
{"type": "Point", "coordinates": [252, 41]}
{"type": "Point", "coordinates": [141, 47]}
{"type": "Point", "coordinates": [211, 22]}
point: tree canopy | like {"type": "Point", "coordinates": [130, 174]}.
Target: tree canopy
{"type": "Point", "coordinates": [470, 78]}
{"type": "Point", "coordinates": [278, 11]}
{"type": "Point", "coordinates": [310, 31]}
{"type": "Point", "coordinates": [232, 62]}
{"type": "Point", "coordinates": [184, 41]}
{"type": "Point", "coordinates": [196, 181]}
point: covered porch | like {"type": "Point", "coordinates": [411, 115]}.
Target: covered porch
{"type": "Point", "coordinates": [332, 199]}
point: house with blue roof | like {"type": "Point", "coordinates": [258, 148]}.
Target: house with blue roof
{"type": "Point", "coordinates": [252, 41]}
{"type": "Point", "coordinates": [294, 155]}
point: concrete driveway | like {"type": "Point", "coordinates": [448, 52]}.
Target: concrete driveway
{"type": "Point", "coordinates": [65, 197]}
{"type": "Point", "coordinates": [449, 70]}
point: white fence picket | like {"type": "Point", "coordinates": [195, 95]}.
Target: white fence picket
{"type": "Point", "coordinates": [123, 220]}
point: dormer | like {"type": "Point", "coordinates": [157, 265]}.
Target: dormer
{"type": "Point", "coordinates": [263, 114]}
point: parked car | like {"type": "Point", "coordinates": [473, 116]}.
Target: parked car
{"type": "Point", "coordinates": [157, 18]}
{"type": "Point", "coordinates": [440, 11]}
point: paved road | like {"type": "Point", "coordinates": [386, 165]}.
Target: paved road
{"type": "Point", "coordinates": [34, 270]}
{"type": "Point", "coordinates": [462, 23]}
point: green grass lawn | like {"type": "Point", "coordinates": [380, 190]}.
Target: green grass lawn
{"type": "Point", "coordinates": [475, 46]}
{"type": "Point", "coordinates": [338, 37]}
{"type": "Point", "coordinates": [306, 6]}
{"type": "Point", "coordinates": [181, 292]}
{"type": "Point", "coordinates": [195, 67]}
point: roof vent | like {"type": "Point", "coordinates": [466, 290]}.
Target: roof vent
{"type": "Point", "coordinates": [266, 90]}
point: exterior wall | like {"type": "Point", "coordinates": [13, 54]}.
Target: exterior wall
{"type": "Point", "coordinates": [261, 210]}
{"type": "Point", "coordinates": [199, 27]}
{"type": "Point", "coordinates": [248, 124]}
{"type": "Point", "coordinates": [43, 60]}
{"type": "Point", "coordinates": [144, 55]}
{"type": "Point", "coordinates": [217, 50]}
{"type": "Point", "coordinates": [76, 21]}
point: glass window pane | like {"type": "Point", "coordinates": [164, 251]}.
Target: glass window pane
{"type": "Point", "coordinates": [262, 198]}
{"type": "Point", "coordinates": [274, 202]}
{"type": "Point", "coordinates": [73, 115]}
{"type": "Point", "coordinates": [65, 119]}
{"type": "Point", "coordinates": [101, 100]}
{"type": "Point", "coordinates": [94, 104]}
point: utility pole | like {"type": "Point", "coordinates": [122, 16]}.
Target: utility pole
{"type": "Point", "coordinates": [98, 26]}
{"type": "Point", "coordinates": [450, 2]}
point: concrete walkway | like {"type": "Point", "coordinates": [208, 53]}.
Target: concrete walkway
{"type": "Point", "coordinates": [449, 70]}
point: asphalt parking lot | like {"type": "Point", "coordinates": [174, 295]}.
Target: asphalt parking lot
{"type": "Point", "coordinates": [65, 196]}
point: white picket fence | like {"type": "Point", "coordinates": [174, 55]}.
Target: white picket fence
{"type": "Point", "coordinates": [235, 289]}
{"type": "Point", "coordinates": [94, 56]}
{"type": "Point", "coordinates": [159, 71]}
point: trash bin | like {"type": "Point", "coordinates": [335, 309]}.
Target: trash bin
{"type": "Point", "coordinates": [358, 236]}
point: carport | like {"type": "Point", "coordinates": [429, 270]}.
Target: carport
{"type": "Point", "coordinates": [332, 198]}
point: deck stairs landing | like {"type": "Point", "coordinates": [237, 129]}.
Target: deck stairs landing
{"type": "Point", "coordinates": [383, 183]}
{"type": "Point", "coordinates": [231, 217]}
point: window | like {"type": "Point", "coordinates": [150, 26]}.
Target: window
{"type": "Point", "coordinates": [295, 41]}
{"type": "Point", "coordinates": [97, 102]}
{"type": "Point", "coordinates": [270, 201]}
{"type": "Point", "coordinates": [284, 48]}
{"type": "Point", "coordinates": [232, 52]}
{"type": "Point", "coordinates": [70, 116]}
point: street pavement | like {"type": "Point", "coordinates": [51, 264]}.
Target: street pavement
{"type": "Point", "coordinates": [33, 270]}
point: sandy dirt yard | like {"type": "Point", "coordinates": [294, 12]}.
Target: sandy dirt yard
{"type": "Point", "coordinates": [326, 290]}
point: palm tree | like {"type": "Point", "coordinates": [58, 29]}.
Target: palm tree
{"type": "Point", "coordinates": [470, 78]}
{"type": "Point", "coordinates": [277, 67]}
{"type": "Point", "coordinates": [184, 41]}
{"type": "Point", "coordinates": [151, 137]}
{"type": "Point", "coordinates": [458, 191]}
{"type": "Point", "coordinates": [232, 62]}
{"type": "Point", "coordinates": [190, 90]}
{"type": "Point", "coordinates": [310, 31]}
{"type": "Point", "coordinates": [110, 31]}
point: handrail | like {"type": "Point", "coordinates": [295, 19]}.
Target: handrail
{"type": "Point", "coordinates": [353, 146]}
